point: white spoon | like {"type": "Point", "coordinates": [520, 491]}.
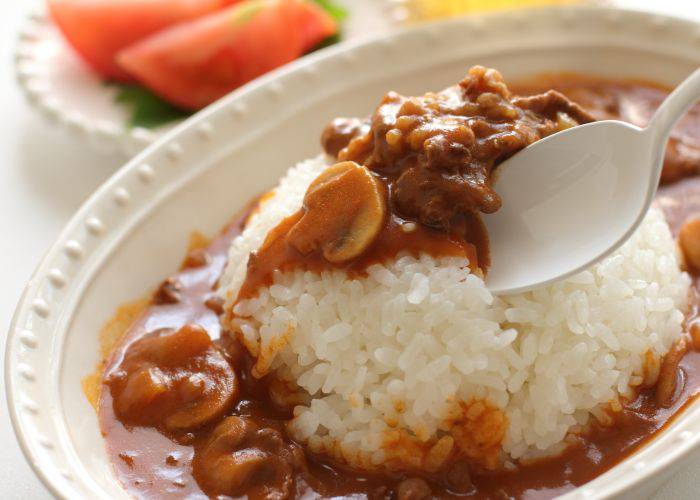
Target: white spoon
{"type": "Point", "coordinates": [574, 197]}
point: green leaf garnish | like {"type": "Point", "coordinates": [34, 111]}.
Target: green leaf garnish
{"type": "Point", "coordinates": [326, 42]}
{"type": "Point", "coordinates": [147, 110]}
{"type": "Point", "coordinates": [336, 11]}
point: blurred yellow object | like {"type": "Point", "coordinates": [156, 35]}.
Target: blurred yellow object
{"type": "Point", "coordinates": [431, 9]}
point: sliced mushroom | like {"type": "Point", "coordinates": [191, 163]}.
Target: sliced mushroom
{"type": "Point", "coordinates": [142, 388]}
{"type": "Point", "coordinates": [230, 433]}
{"type": "Point", "coordinates": [173, 379]}
{"type": "Point", "coordinates": [170, 347]}
{"type": "Point", "coordinates": [240, 458]}
{"type": "Point", "coordinates": [205, 399]}
{"type": "Point", "coordinates": [228, 463]}
{"type": "Point", "coordinates": [689, 241]}
{"type": "Point", "coordinates": [344, 210]}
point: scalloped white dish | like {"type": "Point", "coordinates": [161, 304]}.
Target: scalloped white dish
{"type": "Point", "coordinates": [133, 231]}
{"type": "Point", "coordinates": [65, 90]}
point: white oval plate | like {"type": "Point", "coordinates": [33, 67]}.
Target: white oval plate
{"type": "Point", "coordinates": [132, 232]}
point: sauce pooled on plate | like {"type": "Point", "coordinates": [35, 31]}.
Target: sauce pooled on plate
{"type": "Point", "coordinates": [184, 415]}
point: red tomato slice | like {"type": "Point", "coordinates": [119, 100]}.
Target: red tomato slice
{"type": "Point", "coordinates": [195, 63]}
{"type": "Point", "coordinates": [98, 29]}
{"type": "Point", "coordinates": [314, 25]}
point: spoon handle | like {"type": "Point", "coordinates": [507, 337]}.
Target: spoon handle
{"type": "Point", "coordinates": [671, 110]}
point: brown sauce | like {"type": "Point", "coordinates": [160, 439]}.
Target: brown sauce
{"type": "Point", "coordinates": [633, 102]}
{"type": "Point", "coordinates": [428, 162]}
{"type": "Point", "coordinates": [159, 463]}
{"type": "Point", "coordinates": [438, 151]}
{"type": "Point", "coordinates": [392, 240]}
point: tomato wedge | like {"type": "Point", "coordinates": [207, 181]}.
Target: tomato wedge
{"type": "Point", "coordinates": [195, 63]}
{"type": "Point", "coordinates": [313, 25]}
{"type": "Point", "coordinates": [98, 29]}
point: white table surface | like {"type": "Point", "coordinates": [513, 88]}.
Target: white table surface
{"type": "Point", "coordinates": [46, 174]}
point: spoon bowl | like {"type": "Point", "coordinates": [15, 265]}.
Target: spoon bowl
{"type": "Point", "coordinates": [573, 198]}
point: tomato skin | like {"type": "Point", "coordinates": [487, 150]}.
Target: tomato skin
{"type": "Point", "coordinates": [314, 25]}
{"type": "Point", "coordinates": [98, 29]}
{"type": "Point", "coordinates": [195, 63]}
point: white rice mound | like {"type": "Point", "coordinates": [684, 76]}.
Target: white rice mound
{"type": "Point", "coordinates": [402, 347]}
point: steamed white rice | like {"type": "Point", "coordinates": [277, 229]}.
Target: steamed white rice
{"type": "Point", "coordinates": [420, 350]}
